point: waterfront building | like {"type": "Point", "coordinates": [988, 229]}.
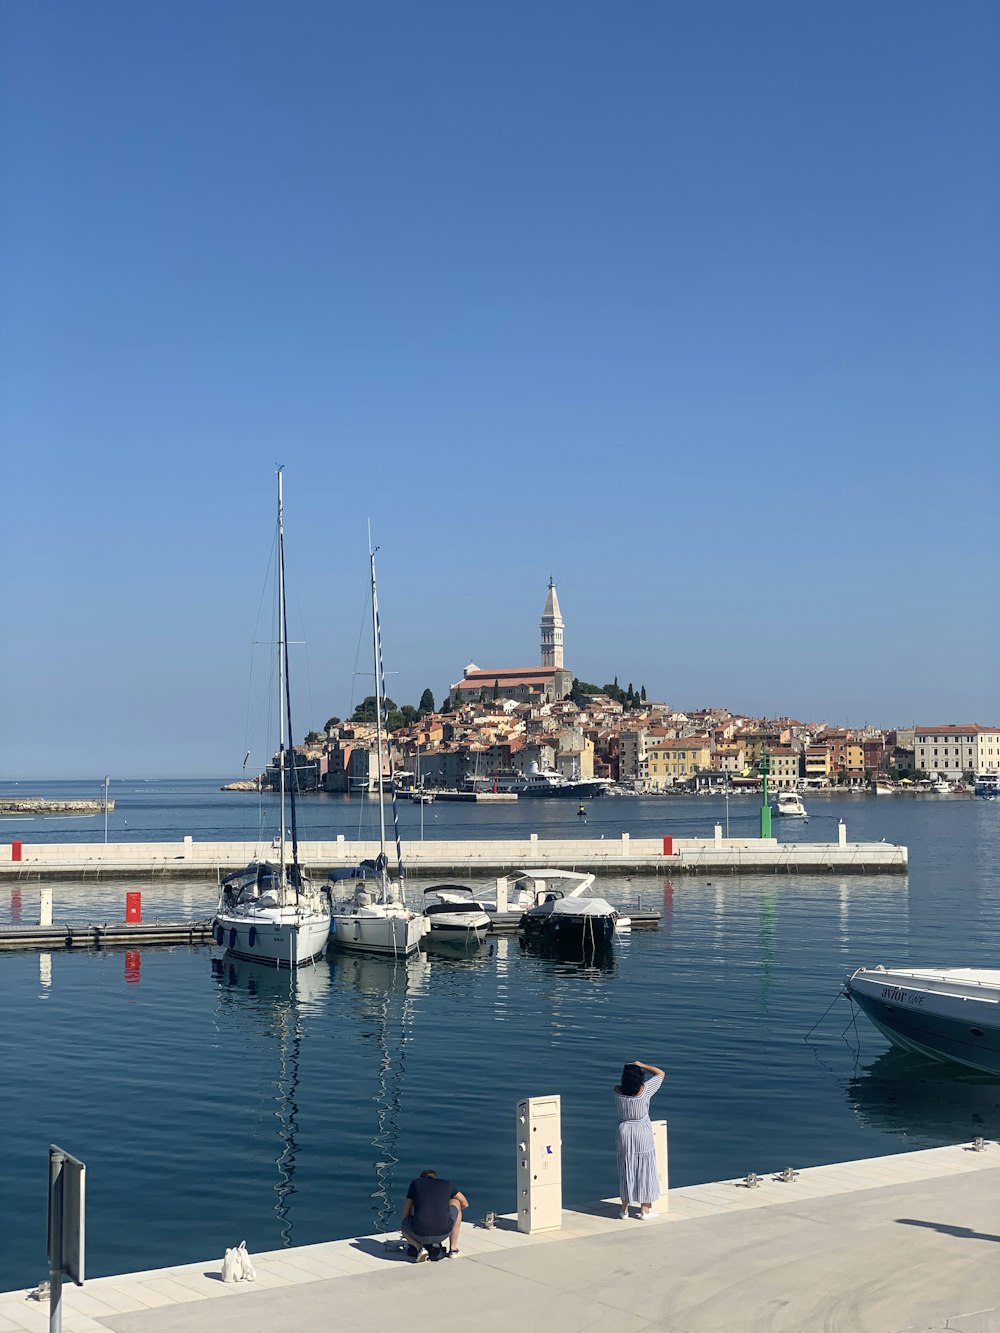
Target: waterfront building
{"type": "Point", "coordinates": [818, 760]}
{"type": "Point", "coordinates": [755, 740]}
{"type": "Point", "coordinates": [784, 771]}
{"type": "Point", "coordinates": [955, 749]}
{"type": "Point", "coordinates": [729, 758]}
{"type": "Point", "coordinates": [676, 759]}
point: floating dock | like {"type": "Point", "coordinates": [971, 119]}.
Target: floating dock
{"type": "Point", "coordinates": [468, 858]}
{"type": "Point", "coordinates": [890, 1243]}
{"type": "Point", "coordinates": [133, 935]}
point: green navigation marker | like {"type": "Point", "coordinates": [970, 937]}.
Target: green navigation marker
{"type": "Point", "coordinates": [765, 808]}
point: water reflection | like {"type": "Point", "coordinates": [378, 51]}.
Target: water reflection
{"type": "Point", "coordinates": [591, 957]}
{"type": "Point", "coordinates": [283, 999]}
{"type": "Point", "coordinates": [925, 1101]}
{"type": "Point", "coordinates": [384, 988]}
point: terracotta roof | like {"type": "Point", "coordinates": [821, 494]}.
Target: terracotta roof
{"type": "Point", "coordinates": [952, 729]}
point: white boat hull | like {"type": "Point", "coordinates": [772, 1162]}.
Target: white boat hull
{"type": "Point", "coordinates": [948, 1014]}
{"type": "Point", "coordinates": [277, 936]}
{"type": "Point", "coordinates": [393, 936]}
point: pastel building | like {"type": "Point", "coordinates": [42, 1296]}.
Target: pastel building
{"type": "Point", "coordinates": [953, 749]}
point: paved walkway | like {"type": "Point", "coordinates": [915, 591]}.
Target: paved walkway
{"type": "Point", "coordinates": [887, 1245]}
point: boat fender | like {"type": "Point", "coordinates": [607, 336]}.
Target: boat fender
{"type": "Point", "coordinates": [253, 936]}
{"type": "Point", "coordinates": [357, 930]}
{"type": "Point", "coordinates": [232, 938]}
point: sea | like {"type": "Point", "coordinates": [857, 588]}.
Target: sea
{"type": "Point", "coordinates": [215, 1101]}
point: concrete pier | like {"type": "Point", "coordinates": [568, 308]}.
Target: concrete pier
{"type": "Point", "coordinates": [471, 857]}
{"type": "Point", "coordinates": [883, 1245]}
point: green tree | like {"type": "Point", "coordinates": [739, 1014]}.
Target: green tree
{"type": "Point", "coordinates": [642, 694]}
{"type": "Point", "coordinates": [496, 690]}
{"type": "Point", "coordinates": [313, 737]}
{"type": "Point", "coordinates": [409, 715]}
{"type": "Point", "coordinates": [331, 722]}
{"type": "Point", "coordinates": [365, 711]}
{"type": "Point", "coordinates": [426, 704]}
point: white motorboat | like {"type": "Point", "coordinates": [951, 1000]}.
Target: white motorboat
{"type": "Point", "coordinates": [376, 919]}
{"type": "Point", "coordinates": [941, 788]}
{"type": "Point", "coordinates": [950, 1013]}
{"type": "Point", "coordinates": [564, 913]}
{"type": "Point", "coordinates": [422, 797]}
{"type": "Point", "coordinates": [453, 912]}
{"type": "Point", "coordinates": [790, 803]}
{"type": "Point", "coordinates": [883, 789]}
{"type": "Point", "coordinates": [278, 917]}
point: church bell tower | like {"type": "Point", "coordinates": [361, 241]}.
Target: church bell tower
{"type": "Point", "coordinates": [552, 630]}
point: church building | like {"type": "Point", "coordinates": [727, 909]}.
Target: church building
{"type": "Point", "coordinates": [541, 684]}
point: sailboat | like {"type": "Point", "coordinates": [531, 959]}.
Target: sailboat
{"type": "Point", "coordinates": [277, 918]}
{"type": "Point", "coordinates": [376, 919]}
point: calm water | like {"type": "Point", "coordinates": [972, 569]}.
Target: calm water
{"type": "Point", "coordinates": [213, 1101]}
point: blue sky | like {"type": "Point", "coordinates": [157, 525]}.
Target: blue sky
{"type": "Point", "coordinates": [692, 305]}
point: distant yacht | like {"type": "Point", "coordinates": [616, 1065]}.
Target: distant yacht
{"type": "Point", "coordinates": [535, 781]}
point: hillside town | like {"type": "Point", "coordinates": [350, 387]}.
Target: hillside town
{"type": "Point", "coordinates": [500, 722]}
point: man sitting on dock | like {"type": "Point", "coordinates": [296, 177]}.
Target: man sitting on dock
{"type": "Point", "coordinates": [432, 1214]}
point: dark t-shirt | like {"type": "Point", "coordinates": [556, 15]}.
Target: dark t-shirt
{"type": "Point", "coordinates": [431, 1200]}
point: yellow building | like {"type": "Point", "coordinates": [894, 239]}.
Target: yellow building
{"type": "Point", "coordinates": [671, 761]}
{"type": "Point", "coordinates": [818, 759]}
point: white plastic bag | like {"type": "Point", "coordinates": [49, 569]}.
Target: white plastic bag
{"type": "Point", "coordinates": [247, 1271]}
{"type": "Point", "coordinates": [232, 1267]}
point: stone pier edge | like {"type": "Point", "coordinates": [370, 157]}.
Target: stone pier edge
{"type": "Point", "coordinates": [181, 1284]}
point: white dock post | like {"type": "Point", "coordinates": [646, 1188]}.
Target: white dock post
{"type": "Point", "coordinates": [539, 1164]}
{"type": "Point", "coordinates": [718, 835]}
{"type": "Point", "coordinates": [662, 1173]}
{"type": "Point", "coordinates": [45, 907]}
{"type": "Point", "coordinates": [188, 849]}
{"type": "Point", "coordinates": [842, 833]}
{"type": "Point", "coordinates": [625, 844]}
{"type": "Point", "coordinates": [502, 893]}
{"type": "Point", "coordinates": [534, 847]}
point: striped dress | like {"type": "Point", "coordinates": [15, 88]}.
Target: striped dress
{"type": "Point", "coordinates": [637, 1178]}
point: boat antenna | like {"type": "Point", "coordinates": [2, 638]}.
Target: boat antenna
{"type": "Point", "coordinates": [381, 729]}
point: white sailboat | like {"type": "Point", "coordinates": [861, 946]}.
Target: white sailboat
{"type": "Point", "coordinates": [376, 919]}
{"type": "Point", "coordinates": [279, 919]}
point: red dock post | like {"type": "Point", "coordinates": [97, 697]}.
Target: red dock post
{"type": "Point", "coordinates": [133, 907]}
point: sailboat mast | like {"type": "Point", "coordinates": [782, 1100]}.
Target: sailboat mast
{"type": "Point", "coordinates": [281, 684]}
{"type": "Point", "coordinates": [380, 739]}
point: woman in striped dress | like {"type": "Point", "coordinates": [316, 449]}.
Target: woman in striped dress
{"type": "Point", "coordinates": [637, 1178]}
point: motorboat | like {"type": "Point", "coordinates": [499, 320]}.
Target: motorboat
{"type": "Point", "coordinates": [422, 797]}
{"type": "Point", "coordinates": [454, 913]}
{"type": "Point", "coordinates": [375, 918]}
{"type": "Point", "coordinates": [987, 784]}
{"type": "Point", "coordinates": [272, 913]}
{"type": "Point", "coordinates": [790, 803]}
{"type": "Point", "coordinates": [950, 1013]}
{"type": "Point", "coordinates": [563, 911]}
{"type": "Point", "coordinates": [883, 789]}
{"type": "Point", "coordinates": [941, 788]}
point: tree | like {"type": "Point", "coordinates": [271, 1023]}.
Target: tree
{"type": "Point", "coordinates": [426, 704]}
{"type": "Point", "coordinates": [313, 737]}
{"type": "Point", "coordinates": [365, 711]}
{"type": "Point", "coordinates": [409, 715]}
{"type": "Point", "coordinates": [496, 690]}
{"type": "Point", "coordinates": [331, 722]}
{"type": "Point", "coordinates": [642, 694]}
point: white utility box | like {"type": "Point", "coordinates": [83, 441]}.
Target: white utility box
{"type": "Point", "coordinates": [660, 1143]}
{"type": "Point", "coordinates": [539, 1164]}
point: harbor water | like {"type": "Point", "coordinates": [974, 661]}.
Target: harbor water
{"type": "Point", "coordinates": [214, 1101]}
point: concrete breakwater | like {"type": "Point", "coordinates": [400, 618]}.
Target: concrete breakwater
{"type": "Point", "coordinates": [39, 805]}
{"type": "Point", "coordinates": [471, 857]}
